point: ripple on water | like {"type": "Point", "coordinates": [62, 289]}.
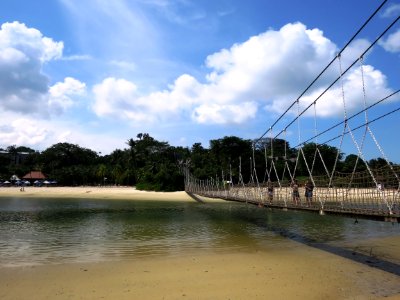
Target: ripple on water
{"type": "Point", "coordinates": [37, 231]}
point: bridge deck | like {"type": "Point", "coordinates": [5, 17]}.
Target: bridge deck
{"type": "Point", "coordinates": [357, 203]}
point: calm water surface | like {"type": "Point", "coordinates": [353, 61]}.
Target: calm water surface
{"type": "Point", "coordinates": [36, 231]}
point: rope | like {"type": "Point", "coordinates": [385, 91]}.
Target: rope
{"type": "Point", "coordinates": [266, 164]}
{"type": "Point", "coordinates": [343, 73]}
{"type": "Point", "coordinates": [255, 175]}
{"type": "Point", "coordinates": [349, 118]}
{"type": "Point", "coordinates": [324, 70]}
{"type": "Point", "coordinates": [344, 127]}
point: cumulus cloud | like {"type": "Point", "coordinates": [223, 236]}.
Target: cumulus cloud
{"type": "Point", "coordinates": [22, 131]}
{"type": "Point", "coordinates": [39, 134]}
{"type": "Point", "coordinates": [268, 70]}
{"type": "Point", "coordinates": [23, 51]}
{"type": "Point", "coordinates": [392, 43]}
{"type": "Point", "coordinates": [23, 86]}
{"type": "Point", "coordinates": [333, 101]}
{"type": "Point", "coordinates": [60, 94]}
{"type": "Point", "coordinates": [222, 114]}
{"type": "Point", "coordinates": [114, 97]}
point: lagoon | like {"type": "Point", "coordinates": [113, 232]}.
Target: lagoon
{"type": "Point", "coordinates": [36, 231]}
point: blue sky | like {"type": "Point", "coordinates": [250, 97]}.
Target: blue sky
{"type": "Point", "coordinates": [97, 73]}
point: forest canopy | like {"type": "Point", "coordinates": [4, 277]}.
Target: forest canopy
{"type": "Point", "coordinates": [150, 164]}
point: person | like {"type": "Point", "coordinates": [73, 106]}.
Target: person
{"type": "Point", "coordinates": [309, 187]}
{"type": "Point", "coordinates": [295, 192]}
{"type": "Point", "coordinates": [270, 190]}
{"type": "Point", "coordinates": [380, 186]}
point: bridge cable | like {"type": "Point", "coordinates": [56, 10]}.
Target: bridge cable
{"type": "Point", "coordinates": [349, 118]}
{"type": "Point", "coordinates": [344, 72]}
{"type": "Point", "coordinates": [323, 71]}
{"type": "Point", "coordinates": [360, 153]}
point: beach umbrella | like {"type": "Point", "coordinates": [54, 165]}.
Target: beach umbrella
{"type": "Point", "coordinates": [14, 178]}
{"type": "Point", "coordinates": [27, 182]}
{"type": "Point", "coordinates": [46, 182]}
{"type": "Point", "coordinates": [6, 182]}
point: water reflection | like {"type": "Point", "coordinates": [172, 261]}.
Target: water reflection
{"type": "Point", "coordinates": [70, 230]}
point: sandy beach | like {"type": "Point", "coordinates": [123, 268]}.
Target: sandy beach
{"type": "Point", "coordinates": [128, 193]}
{"type": "Point", "coordinates": [288, 271]}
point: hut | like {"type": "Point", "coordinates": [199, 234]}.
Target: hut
{"type": "Point", "coordinates": [34, 175]}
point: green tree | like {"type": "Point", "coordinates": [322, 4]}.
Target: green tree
{"type": "Point", "coordinates": [328, 154]}
{"type": "Point", "coordinates": [226, 154]}
{"type": "Point", "coordinates": [155, 163]}
{"type": "Point", "coordinates": [69, 164]}
{"type": "Point", "coordinates": [349, 164]}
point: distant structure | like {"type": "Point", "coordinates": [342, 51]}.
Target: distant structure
{"type": "Point", "coordinates": [34, 175]}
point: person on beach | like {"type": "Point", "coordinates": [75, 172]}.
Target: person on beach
{"type": "Point", "coordinates": [309, 187]}
{"type": "Point", "coordinates": [295, 192]}
{"type": "Point", "coordinates": [270, 190]}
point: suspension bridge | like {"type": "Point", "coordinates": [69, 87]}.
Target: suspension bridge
{"type": "Point", "coordinates": [371, 193]}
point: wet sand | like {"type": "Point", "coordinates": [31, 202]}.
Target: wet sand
{"type": "Point", "coordinates": [297, 272]}
{"type": "Point", "coordinates": [289, 270]}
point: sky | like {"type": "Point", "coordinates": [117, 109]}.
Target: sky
{"type": "Point", "coordinates": [97, 72]}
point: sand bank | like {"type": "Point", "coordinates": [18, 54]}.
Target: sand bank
{"type": "Point", "coordinates": [295, 272]}
{"type": "Point", "coordinates": [93, 192]}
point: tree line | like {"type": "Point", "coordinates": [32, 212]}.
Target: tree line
{"type": "Point", "coordinates": [150, 164]}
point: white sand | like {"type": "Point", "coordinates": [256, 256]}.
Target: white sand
{"type": "Point", "coordinates": [129, 193]}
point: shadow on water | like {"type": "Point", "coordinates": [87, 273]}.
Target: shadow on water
{"type": "Point", "coordinates": [331, 225]}
{"type": "Point", "coordinates": [311, 229]}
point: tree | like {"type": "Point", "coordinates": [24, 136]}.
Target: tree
{"type": "Point", "coordinates": [328, 154]}
{"type": "Point", "coordinates": [70, 164]}
{"type": "Point", "coordinates": [155, 163]}
{"type": "Point", "coordinates": [227, 153]}
{"type": "Point", "coordinates": [378, 163]}
{"type": "Point", "coordinates": [350, 163]}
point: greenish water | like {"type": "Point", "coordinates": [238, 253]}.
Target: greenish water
{"type": "Point", "coordinates": [36, 231]}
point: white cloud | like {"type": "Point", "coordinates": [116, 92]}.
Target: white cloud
{"type": "Point", "coordinates": [29, 41]}
{"type": "Point", "coordinates": [119, 98]}
{"type": "Point", "coordinates": [392, 43]}
{"type": "Point", "coordinates": [270, 70]}
{"type": "Point", "coordinates": [22, 131]}
{"type": "Point", "coordinates": [24, 88]}
{"type": "Point", "coordinates": [392, 10]}
{"type": "Point", "coordinates": [223, 114]}
{"type": "Point", "coordinates": [114, 97]}
{"type": "Point", "coordinates": [332, 104]}
{"type": "Point", "coordinates": [22, 53]}
{"type": "Point", "coordinates": [61, 93]}
{"type": "Point", "coordinates": [40, 134]}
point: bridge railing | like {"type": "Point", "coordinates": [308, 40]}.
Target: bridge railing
{"type": "Point", "coordinates": [367, 201]}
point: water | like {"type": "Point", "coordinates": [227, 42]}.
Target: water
{"type": "Point", "coordinates": [38, 231]}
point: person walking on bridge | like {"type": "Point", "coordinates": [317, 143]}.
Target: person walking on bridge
{"type": "Point", "coordinates": [295, 192]}
{"type": "Point", "coordinates": [309, 187]}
